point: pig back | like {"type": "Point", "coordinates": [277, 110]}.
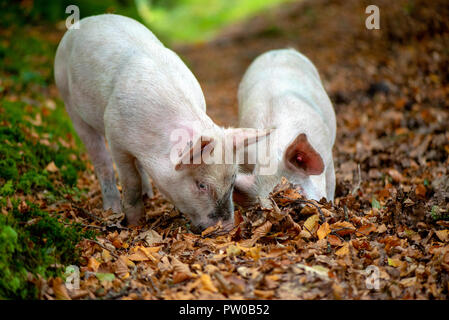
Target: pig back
{"type": "Point", "coordinates": [278, 75]}
{"type": "Point", "coordinates": [90, 60]}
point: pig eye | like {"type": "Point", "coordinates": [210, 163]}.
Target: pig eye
{"type": "Point", "coordinates": [201, 186]}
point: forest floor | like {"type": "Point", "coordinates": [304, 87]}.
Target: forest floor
{"type": "Point", "coordinates": [386, 236]}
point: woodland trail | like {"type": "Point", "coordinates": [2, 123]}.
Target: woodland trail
{"type": "Point", "coordinates": [390, 90]}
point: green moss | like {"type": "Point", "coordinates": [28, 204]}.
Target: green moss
{"type": "Point", "coordinates": [23, 158]}
{"type": "Point", "coordinates": [437, 215]}
{"type": "Point", "coordinates": [32, 135]}
{"type": "Point", "coordinates": [33, 241]}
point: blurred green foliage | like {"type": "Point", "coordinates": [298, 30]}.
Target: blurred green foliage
{"type": "Point", "coordinates": [197, 20]}
{"type": "Point", "coordinates": [171, 20]}
{"type": "Point", "coordinates": [40, 11]}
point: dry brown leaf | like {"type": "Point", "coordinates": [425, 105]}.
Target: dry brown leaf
{"type": "Point", "coordinates": [366, 229]}
{"type": "Point", "coordinates": [254, 253]}
{"type": "Point", "coordinates": [51, 167]}
{"type": "Point", "coordinates": [334, 240]}
{"type": "Point", "coordinates": [207, 283]}
{"type": "Point", "coordinates": [421, 190]}
{"type": "Point", "coordinates": [381, 229]}
{"type": "Point", "coordinates": [343, 251]}
{"type": "Point", "coordinates": [343, 227]}
{"type": "Point", "coordinates": [212, 229]}
{"type": "Point", "coordinates": [323, 231]}
{"type": "Point", "coordinates": [311, 224]}
{"type": "Point", "coordinates": [443, 235]}
{"type": "Point", "coordinates": [121, 267]}
{"type": "Point", "coordinates": [60, 290]}
{"type": "Point", "coordinates": [180, 277]}
{"type": "Point", "coordinates": [262, 230]}
{"type": "Point", "coordinates": [396, 175]}
{"type": "Point", "coordinates": [179, 266]}
{"type": "Point", "coordinates": [264, 294]}
{"type": "Point", "coordinates": [93, 264]}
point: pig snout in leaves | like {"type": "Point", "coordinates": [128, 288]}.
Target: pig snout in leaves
{"type": "Point", "coordinates": [282, 90]}
{"type": "Point", "coordinates": [120, 84]}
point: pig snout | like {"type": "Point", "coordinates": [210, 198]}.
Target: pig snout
{"type": "Point", "coordinates": [223, 213]}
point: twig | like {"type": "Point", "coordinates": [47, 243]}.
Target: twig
{"type": "Point", "coordinates": [84, 225]}
{"type": "Point", "coordinates": [335, 232]}
{"type": "Point", "coordinates": [308, 202]}
{"type": "Point", "coordinates": [84, 211]}
{"type": "Point", "coordinates": [104, 247]}
{"type": "Point", "coordinates": [313, 236]}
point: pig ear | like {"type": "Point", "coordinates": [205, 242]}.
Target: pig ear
{"type": "Point", "coordinates": [243, 186]}
{"type": "Point", "coordinates": [300, 155]}
{"type": "Point", "coordinates": [192, 155]}
{"type": "Point", "coordinates": [243, 137]}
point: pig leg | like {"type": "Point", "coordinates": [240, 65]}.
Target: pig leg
{"type": "Point", "coordinates": [330, 182]}
{"type": "Point", "coordinates": [147, 188]}
{"type": "Point", "coordinates": [131, 185]}
{"type": "Point", "coordinates": [101, 159]}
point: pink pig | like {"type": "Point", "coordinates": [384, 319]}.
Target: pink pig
{"type": "Point", "coordinates": [119, 81]}
{"type": "Point", "coordinates": [282, 90]}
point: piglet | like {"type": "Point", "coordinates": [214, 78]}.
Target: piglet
{"type": "Point", "coordinates": [282, 90]}
{"type": "Point", "coordinates": [119, 82]}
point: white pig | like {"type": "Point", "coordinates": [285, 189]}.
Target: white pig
{"type": "Point", "coordinates": [119, 81]}
{"type": "Point", "coordinates": [282, 90]}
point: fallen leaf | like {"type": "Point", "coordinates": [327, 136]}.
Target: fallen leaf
{"type": "Point", "coordinates": [343, 227]}
{"type": "Point", "coordinates": [381, 229]}
{"type": "Point", "coordinates": [343, 251]}
{"type": "Point", "coordinates": [207, 283]}
{"type": "Point", "coordinates": [323, 231]}
{"type": "Point", "coordinates": [421, 190]}
{"type": "Point", "coordinates": [60, 290]}
{"type": "Point", "coordinates": [254, 253]}
{"type": "Point", "coordinates": [105, 276]}
{"type": "Point", "coordinates": [93, 264]}
{"type": "Point", "coordinates": [366, 229]}
{"type": "Point", "coordinates": [443, 235]}
{"type": "Point", "coordinates": [180, 277]}
{"type": "Point", "coordinates": [233, 250]}
{"type": "Point", "coordinates": [138, 256]}
{"type": "Point", "coordinates": [311, 224]}
{"type": "Point", "coordinates": [212, 229]}
{"type": "Point", "coordinates": [397, 177]}
{"type": "Point", "coordinates": [264, 294]}
{"type": "Point", "coordinates": [51, 167]}
{"type": "Point", "coordinates": [181, 267]}
{"type": "Point", "coordinates": [334, 240]}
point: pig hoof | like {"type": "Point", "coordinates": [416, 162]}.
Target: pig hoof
{"type": "Point", "coordinates": [134, 214]}
{"type": "Point", "coordinates": [112, 204]}
{"type": "Point", "coordinates": [132, 221]}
